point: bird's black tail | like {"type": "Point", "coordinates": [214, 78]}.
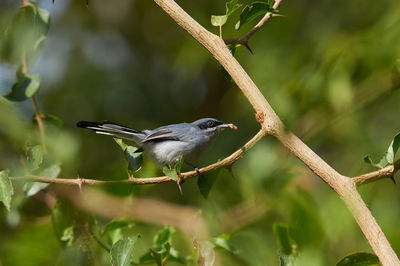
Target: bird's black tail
{"type": "Point", "coordinates": [113, 129]}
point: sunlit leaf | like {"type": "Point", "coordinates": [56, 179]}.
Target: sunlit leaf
{"type": "Point", "coordinates": [6, 189]}
{"type": "Point", "coordinates": [170, 172]}
{"type": "Point", "coordinates": [68, 235]}
{"type": "Point", "coordinates": [231, 7]}
{"type": "Point", "coordinates": [122, 251]}
{"type": "Point", "coordinates": [250, 12]}
{"type": "Point", "coordinates": [218, 20]}
{"type": "Point", "coordinates": [133, 154]}
{"type": "Point", "coordinates": [359, 259]}
{"type": "Point", "coordinates": [223, 242]}
{"type": "Point", "coordinates": [31, 188]}
{"type": "Point", "coordinates": [389, 156]}
{"type": "Point", "coordinates": [174, 172]}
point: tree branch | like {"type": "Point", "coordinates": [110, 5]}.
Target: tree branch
{"type": "Point", "coordinates": [244, 40]}
{"type": "Point", "coordinates": [385, 172]}
{"type": "Point", "coordinates": [228, 161]}
{"type": "Point", "coordinates": [38, 117]}
{"type": "Point", "coordinates": [344, 186]}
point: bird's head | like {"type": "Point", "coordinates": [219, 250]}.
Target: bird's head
{"type": "Point", "coordinates": [212, 126]}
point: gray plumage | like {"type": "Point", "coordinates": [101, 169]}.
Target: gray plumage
{"type": "Point", "coordinates": [165, 145]}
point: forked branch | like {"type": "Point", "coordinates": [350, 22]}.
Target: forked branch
{"type": "Point", "coordinates": [344, 186]}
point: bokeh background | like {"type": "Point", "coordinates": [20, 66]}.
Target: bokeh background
{"type": "Point", "coordinates": [328, 68]}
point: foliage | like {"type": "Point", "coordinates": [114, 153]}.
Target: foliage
{"type": "Point", "coordinates": [333, 77]}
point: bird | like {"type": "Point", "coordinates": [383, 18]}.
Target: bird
{"type": "Point", "coordinates": [167, 144]}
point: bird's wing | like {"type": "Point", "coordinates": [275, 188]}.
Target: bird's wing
{"type": "Point", "coordinates": [160, 135]}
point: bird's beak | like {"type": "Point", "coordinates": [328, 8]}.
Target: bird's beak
{"type": "Point", "coordinates": [231, 126]}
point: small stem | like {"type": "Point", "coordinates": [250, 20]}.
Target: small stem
{"type": "Point", "coordinates": [40, 123]}
{"type": "Point", "coordinates": [220, 31]}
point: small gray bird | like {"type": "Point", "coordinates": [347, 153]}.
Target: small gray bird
{"type": "Point", "coordinates": [165, 145]}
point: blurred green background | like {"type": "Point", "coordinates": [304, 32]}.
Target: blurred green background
{"type": "Point", "coordinates": [328, 68]}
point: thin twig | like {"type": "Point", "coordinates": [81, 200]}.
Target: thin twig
{"type": "Point", "coordinates": [39, 120]}
{"type": "Point", "coordinates": [38, 116]}
{"type": "Point", "coordinates": [385, 172]}
{"type": "Point", "coordinates": [231, 159]}
{"type": "Point", "coordinates": [244, 40]}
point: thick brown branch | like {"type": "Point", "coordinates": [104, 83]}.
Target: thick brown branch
{"type": "Point", "coordinates": [344, 186]}
{"type": "Point", "coordinates": [228, 161]}
{"type": "Point", "coordinates": [245, 39]}
{"type": "Point", "coordinates": [385, 172]}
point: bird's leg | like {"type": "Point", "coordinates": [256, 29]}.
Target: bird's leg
{"type": "Point", "coordinates": [195, 168]}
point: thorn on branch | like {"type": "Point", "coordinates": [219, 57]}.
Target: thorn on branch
{"type": "Point", "coordinates": [392, 178]}
{"type": "Point", "coordinates": [230, 170]}
{"type": "Point", "coordinates": [179, 182]}
{"type": "Point", "coordinates": [246, 44]}
{"type": "Point", "coordinates": [80, 182]}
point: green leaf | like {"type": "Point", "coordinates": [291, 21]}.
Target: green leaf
{"type": "Point", "coordinates": [176, 256]}
{"type": "Point", "coordinates": [25, 87]}
{"type": "Point", "coordinates": [205, 182]}
{"type": "Point", "coordinates": [218, 20]}
{"type": "Point", "coordinates": [178, 165]}
{"type": "Point", "coordinates": [31, 188]}
{"type": "Point", "coordinates": [68, 235]}
{"type": "Point", "coordinates": [25, 32]}
{"type": "Point", "coordinates": [223, 242]}
{"type": "Point", "coordinates": [282, 233]}
{"type": "Point", "coordinates": [171, 173]}
{"type": "Point", "coordinates": [174, 173]}
{"type": "Point", "coordinates": [389, 156]}
{"type": "Point", "coordinates": [359, 259]}
{"type": "Point", "coordinates": [132, 154]}
{"type": "Point", "coordinates": [288, 248]}
{"type": "Point", "coordinates": [118, 223]}
{"type": "Point", "coordinates": [122, 251]}
{"type": "Point", "coordinates": [134, 158]}
{"type": "Point", "coordinates": [231, 7]}
{"type": "Point", "coordinates": [256, 9]}
{"type": "Point", "coordinates": [6, 189]}
{"type": "Point", "coordinates": [121, 143]}
{"type": "Point", "coordinates": [164, 236]}
{"type": "Point", "coordinates": [35, 156]}
{"type": "Point", "coordinates": [62, 218]}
